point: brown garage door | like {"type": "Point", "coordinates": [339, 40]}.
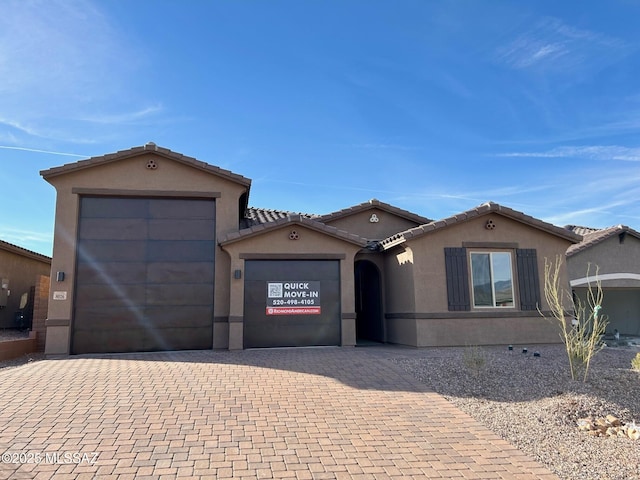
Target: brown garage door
{"type": "Point", "coordinates": [291, 303]}
{"type": "Point", "coordinates": [144, 279]}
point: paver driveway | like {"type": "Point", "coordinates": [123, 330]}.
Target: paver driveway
{"type": "Point", "coordinates": [292, 413]}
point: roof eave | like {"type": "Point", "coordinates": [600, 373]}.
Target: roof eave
{"type": "Point", "coordinates": [482, 210]}
{"type": "Point", "coordinates": [319, 227]}
{"type": "Point", "coordinates": [374, 203]}
{"type": "Point", "coordinates": [135, 151]}
{"type": "Point", "coordinates": [24, 252]}
{"type": "Point", "coordinates": [599, 236]}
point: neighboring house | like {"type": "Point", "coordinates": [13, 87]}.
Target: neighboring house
{"type": "Point", "coordinates": [154, 250]}
{"type": "Point", "coordinates": [19, 272]}
{"type": "Point", "coordinates": [616, 253]}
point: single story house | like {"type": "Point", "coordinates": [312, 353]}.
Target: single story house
{"type": "Point", "coordinates": [616, 253]}
{"type": "Point", "coordinates": [19, 272]}
{"type": "Point", "coordinates": [154, 250]}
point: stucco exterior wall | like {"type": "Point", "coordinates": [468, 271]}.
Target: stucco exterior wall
{"type": "Point", "coordinates": [528, 330]}
{"type": "Point", "coordinates": [360, 224]}
{"type": "Point", "coordinates": [130, 174]}
{"type": "Point", "coordinates": [400, 297]}
{"type": "Point", "coordinates": [400, 280]}
{"type": "Point", "coordinates": [276, 244]}
{"type": "Point", "coordinates": [430, 323]}
{"type": "Point", "coordinates": [22, 273]}
{"type": "Point", "coordinates": [612, 257]}
{"type": "Point", "coordinates": [429, 264]}
{"type": "Point", "coordinates": [619, 273]}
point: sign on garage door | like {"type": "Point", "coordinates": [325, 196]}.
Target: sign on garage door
{"type": "Point", "coordinates": [145, 270]}
{"type": "Point", "coordinates": [291, 303]}
{"type": "Point", "coordinates": [293, 298]}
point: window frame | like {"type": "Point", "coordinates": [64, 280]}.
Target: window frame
{"type": "Point", "coordinates": [513, 274]}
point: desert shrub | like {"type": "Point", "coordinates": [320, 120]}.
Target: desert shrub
{"type": "Point", "coordinates": [583, 332]}
{"type": "Point", "coordinates": [635, 362]}
{"type": "Point", "coordinates": [474, 359]}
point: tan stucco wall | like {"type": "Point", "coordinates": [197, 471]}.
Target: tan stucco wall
{"type": "Point", "coordinates": [277, 242]}
{"type": "Point", "coordinates": [426, 265]}
{"type": "Point", "coordinates": [132, 174]}
{"type": "Point", "coordinates": [360, 224]}
{"type": "Point", "coordinates": [399, 281]}
{"type": "Point", "coordinates": [429, 263]}
{"type": "Point", "coordinates": [621, 301]}
{"type": "Point", "coordinates": [486, 331]}
{"type": "Point", "coordinates": [400, 295]}
{"type": "Point", "coordinates": [611, 257]}
{"type": "Point", "coordinates": [22, 273]}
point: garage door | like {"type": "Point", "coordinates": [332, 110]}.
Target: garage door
{"type": "Point", "coordinates": [144, 279]}
{"type": "Point", "coordinates": [291, 303]}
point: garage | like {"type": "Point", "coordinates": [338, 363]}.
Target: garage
{"type": "Point", "coordinates": [291, 303]}
{"type": "Point", "coordinates": [144, 274]}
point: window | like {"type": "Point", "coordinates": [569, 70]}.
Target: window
{"type": "Point", "coordinates": [457, 273]}
{"type": "Point", "coordinates": [492, 279]}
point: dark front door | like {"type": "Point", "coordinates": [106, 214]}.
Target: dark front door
{"type": "Point", "coordinates": [369, 324]}
{"type": "Point", "coordinates": [144, 278]}
{"type": "Point", "coordinates": [291, 303]}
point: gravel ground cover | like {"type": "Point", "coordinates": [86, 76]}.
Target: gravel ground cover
{"type": "Point", "coordinates": [13, 334]}
{"type": "Point", "coordinates": [533, 403]}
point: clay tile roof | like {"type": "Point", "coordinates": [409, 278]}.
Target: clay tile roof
{"type": "Point", "coordinates": [597, 236]}
{"type": "Point", "coordinates": [581, 230]}
{"type": "Point", "coordinates": [134, 151]}
{"type": "Point", "coordinates": [374, 203]}
{"type": "Point", "coordinates": [24, 252]}
{"type": "Point", "coordinates": [484, 209]}
{"type": "Point", "coordinates": [292, 219]}
{"type": "Point", "coordinates": [257, 216]}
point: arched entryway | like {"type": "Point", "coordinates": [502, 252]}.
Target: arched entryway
{"type": "Point", "coordinates": [369, 322]}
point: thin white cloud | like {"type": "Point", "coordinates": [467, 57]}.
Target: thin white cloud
{"type": "Point", "coordinates": [545, 51]}
{"type": "Point", "coordinates": [551, 44]}
{"type": "Point", "coordinates": [586, 216]}
{"type": "Point", "coordinates": [61, 61]}
{"type": "Point", "coordinates": [125, 117]}
{"type": "Point", "coordinates": [36, 150]}
{"type": "Point", "coordinates": [592, 152]}
{"type": "Point", "coordinates": [383, 146]}
{"type": "Point", "coordinates": [594, 196]}
{"type": "Point", "coordinates": [20, 127]}
{"type": "Point", "coordinates": [21, 237]}
{"type": "Point", "coordinates": [527, 52]}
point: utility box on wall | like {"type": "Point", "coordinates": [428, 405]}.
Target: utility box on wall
{"type": "Point", "coordinates": [4, 292]}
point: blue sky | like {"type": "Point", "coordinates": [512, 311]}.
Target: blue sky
{"type": "Point", "coordinates": [434, 107]}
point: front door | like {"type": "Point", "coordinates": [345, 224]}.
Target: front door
{"type": "Point", "coordinates": [369, 322]}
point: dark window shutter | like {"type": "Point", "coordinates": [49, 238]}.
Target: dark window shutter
{"type": "Point", "coordinates": [457, 279]}
{"type": "Point", "coordinates": [528, 279]}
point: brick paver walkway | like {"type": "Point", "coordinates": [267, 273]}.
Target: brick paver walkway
{"type": "Point", "coordinates": [329, 413]}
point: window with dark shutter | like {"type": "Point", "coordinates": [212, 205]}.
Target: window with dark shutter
{"type": "Point", "coordinates": [528, 280]}
{"type": "Point", "coordinates": [457, 279]}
